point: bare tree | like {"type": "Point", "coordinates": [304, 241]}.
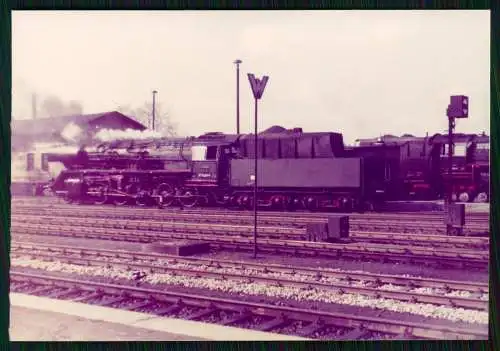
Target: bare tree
{"type": "Point", "coordinates": [143, 114]}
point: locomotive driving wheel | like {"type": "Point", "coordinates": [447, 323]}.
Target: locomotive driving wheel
{"type": "Point", "coordinates": [482, 197]}
{"type": "Point", "coordinates": [166, 191]}
{"type": "Point", "coordinates": [280, 202]}
{"type": "Point", "coordinates": [294, 203]}
{"type": "Point", "coordinates": [120, 200]}
{"type": "Point", "coordinates": [189, 198]}
{"type": "Point", "coordinates": [464, 197]}
{"type": "Point", "coordinates": [102, 196]}
{"type": "Point", "coordinates": [67, 199]}
{"type": "Point", "coordinates": [141, 196]}
{"type": "Point", "coordinates": [311, 203]}
{"type": "Point", "coordinates": [47, 191]}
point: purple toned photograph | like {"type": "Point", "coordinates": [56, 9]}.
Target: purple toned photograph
{"type": "Point", "coordinates": [250, 175]}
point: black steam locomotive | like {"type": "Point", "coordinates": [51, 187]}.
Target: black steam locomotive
{"type": "Point", "coordinates": [424, 166]}
{"type": "Point", "coordinates": [296, 170]}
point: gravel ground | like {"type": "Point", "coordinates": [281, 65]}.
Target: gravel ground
{"type": "Point", "coordinates": [282, 259]}
{"type": "Point", "coordinates": [351, 304]}
{"type": "Point", "coordinates": [172, 263]}
{"type": "Point", "coordinates": [371, 267]}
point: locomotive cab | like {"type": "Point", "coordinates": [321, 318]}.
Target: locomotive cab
{"type": "Point", "coordinates": [211, 163]}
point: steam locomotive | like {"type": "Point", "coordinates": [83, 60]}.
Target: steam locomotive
{"type": "Point", "coordinates": [425, 166]}
{"type": "Point", "coordinates": [296, 170]}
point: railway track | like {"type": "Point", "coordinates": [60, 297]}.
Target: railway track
{"type": "Point", "coordinates": [246, 230]}
{"type": "Point", "coordinates": [437, 292]}
{"type": "Point", "coordinates": [404, 216]}
{"type": "Point", "coordinates": [265, 316]}
{"type": "Point", "coordinates": [400, 223]}
{"type": "Point", "coordinates": [386, 253]}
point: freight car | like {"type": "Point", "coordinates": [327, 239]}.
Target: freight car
{"type": "Point", "coordinates": [296, 170]}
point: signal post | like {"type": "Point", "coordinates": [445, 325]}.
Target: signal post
{"type": "Point", "coordinates": [455, 213]}
{"type": "Point", "coordinates": [258, 86]}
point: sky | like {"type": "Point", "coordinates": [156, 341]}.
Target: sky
{"type": "Point", "coordinates": [361, 73]}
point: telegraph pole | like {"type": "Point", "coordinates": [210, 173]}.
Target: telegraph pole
{"type": "Point", "coordinates": [258, 87]}
{"type": "Point", "coordinates": [154, 109]}
{"type": "Point", "coordinates": [237, 62]}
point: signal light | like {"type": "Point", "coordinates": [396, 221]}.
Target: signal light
{"type": "Point", "coordinates": [458, 107]}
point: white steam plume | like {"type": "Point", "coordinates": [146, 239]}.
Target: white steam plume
{"type": "Point", "coordinates": [71, 131]}
{"type": "Point", "coordinates": [110, 134]}
{"type": "Point", "coordinates": [56, 148]}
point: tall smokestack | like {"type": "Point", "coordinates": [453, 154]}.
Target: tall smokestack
{"type": "Point", "coordinates": [33, 105]}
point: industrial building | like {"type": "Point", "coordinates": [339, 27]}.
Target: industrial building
{"type": "Point", "coordinates": [65, 129]}
{"type": "Point", "coordinates": [32, 137]}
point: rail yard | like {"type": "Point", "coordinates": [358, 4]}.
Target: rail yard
{"type": "Point", "coordinates": [397, 275]}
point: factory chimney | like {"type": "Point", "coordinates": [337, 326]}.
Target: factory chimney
{"type": "Point", "coordinates": [33, 105]}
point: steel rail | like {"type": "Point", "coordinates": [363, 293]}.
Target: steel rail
{"type": "Point", "coordinates": [378, 279]}
{"type": "Point", "coordinates": [277, 232]}
{"type": "Point", "coordinates": [209, 218]}
{"type": "Point", "coordinates": [268, 216]}
{"type": "Point", "coordinates": [405, 296]}
{"type": "Point", "coordinates": [378, 251]}
{"type": "Point", "coordinates": [164, 231]}
{"type": "Point", "coordinates": [382, 325]}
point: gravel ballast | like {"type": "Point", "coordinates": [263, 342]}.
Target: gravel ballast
{"type": "Point", "coordinates": [255, 288]}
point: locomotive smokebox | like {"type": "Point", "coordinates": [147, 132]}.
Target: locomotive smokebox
{"type": "Point", "coordinates": [338, 227]}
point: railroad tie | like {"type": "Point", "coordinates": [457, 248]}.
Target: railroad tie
{"type": "Point", "coordinates": [88, 297]}
{"type": "Point", "coordinates": [274, 323]}
{"type": "Point", "coordinates": [355, 334]}
{"type": "Point", "coordinates": [62, 294]}
{"type": "Point", "coordinates": [140, 304]}
{"type": "Point", "coordinates": [113, 300]}
{"type": "Point", "coordinates": [241, 317]}
{"type": "Point", "coordinates": [203, 313]}
{"type": "Point", "coordinates": [170, 309]}
{"type": "Point", "coordinates": [311, 328]}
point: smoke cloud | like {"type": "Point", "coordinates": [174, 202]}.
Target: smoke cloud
{"type": "Point", "coordinates": [71, 132]}
{"type": "Point", "coordinates": [54, 148]}
{"type": "Point", "coordinates": [110, 135]}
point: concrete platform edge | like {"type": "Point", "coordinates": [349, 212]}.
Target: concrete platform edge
{"type": "Point", "coordinates": [193, 329]}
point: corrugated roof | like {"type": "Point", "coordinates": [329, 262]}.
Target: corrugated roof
{"type": "Point", "coordinates": [56, 124]}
